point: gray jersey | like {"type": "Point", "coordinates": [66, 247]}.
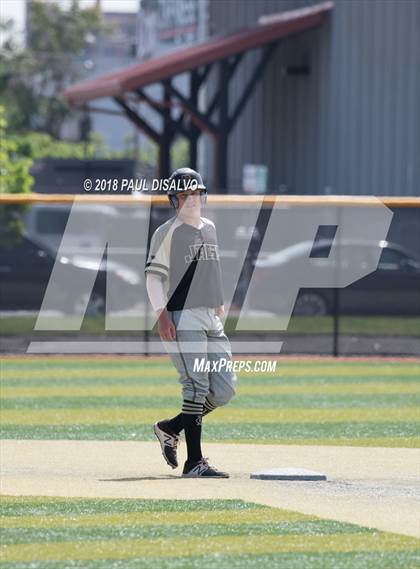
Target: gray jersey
{"type": "Point", "coordinates": [187, 259]}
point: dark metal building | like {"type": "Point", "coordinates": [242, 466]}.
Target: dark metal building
{"type": "Point", "coordinates": [324, 96]}
{"type": "Point", "coordinates": [210, 70]}
{"type": "Point", "coordinates": [337, 109]}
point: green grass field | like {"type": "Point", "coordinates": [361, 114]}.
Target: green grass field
{"type": "Point", "coordinates": [360, 325]}
{"type": "Point", "coordinates": [57, 533]}
{"type": "Point", "coordinates": [303, 402]}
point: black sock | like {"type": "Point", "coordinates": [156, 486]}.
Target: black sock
{"type": "Point", "coordinates": [176, 424]}
{"type": "Point", "coordinates": [208, 407]}
{"type": "Point", "coordinates": [191, 417]}
{"type": "Point", "coordinates": [172, 426]}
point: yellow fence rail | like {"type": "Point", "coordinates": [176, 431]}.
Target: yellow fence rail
{"type": "Point", "coordinates": [214, 200]}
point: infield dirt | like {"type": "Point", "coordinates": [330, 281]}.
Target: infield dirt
{"type": "Point", "coordinates": [375, 487]}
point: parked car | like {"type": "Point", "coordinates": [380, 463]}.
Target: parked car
{"type": "Point", "coordinates": [25, 271]}
{"type": "Point", "coordinates": [393, 288]}
{"type": "Point", "coordinates": [46, 224]}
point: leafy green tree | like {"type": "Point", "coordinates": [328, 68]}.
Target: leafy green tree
{"type": "Point", "coordinates": [180, 154]}
{"type": "Point", "coordinates": [38, 145]}
{"type": "Point", "coordinates": [32, 78]}
{"type": "Point", "coordinates": [148, 156]}
{"type": "Point", "coordinates": [14, 179]}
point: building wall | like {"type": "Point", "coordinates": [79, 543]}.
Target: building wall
{"type": "Point", "coordinates": [352, 125]}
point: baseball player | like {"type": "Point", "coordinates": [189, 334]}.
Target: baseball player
{"type": "Point", "coordinates": [183, 279]}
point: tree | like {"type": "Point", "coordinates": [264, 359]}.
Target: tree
{"type": "Point", "coordinates": [39, 145]}
{"type": "Point", "coordinates": [32, 78]}
{"type": "Point", "coordinates": [15, 179]}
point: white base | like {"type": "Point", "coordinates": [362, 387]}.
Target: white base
{"type": "Point", "coordinates": [288, 474]}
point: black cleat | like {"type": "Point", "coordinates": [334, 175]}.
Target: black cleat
{"type": "Point", "coordinates": [168, 444]}
{"type": "Point", "coordinates": [202, 469]}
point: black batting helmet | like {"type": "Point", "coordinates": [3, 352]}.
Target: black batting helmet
{"type": "Point", "coordinates": [185, 179]}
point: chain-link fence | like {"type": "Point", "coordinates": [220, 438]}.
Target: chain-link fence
{"type": "Point", "coordinates": [314, 275]}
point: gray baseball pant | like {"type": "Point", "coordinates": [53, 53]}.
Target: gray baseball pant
{"type": "Point", "coordinates": [200, 335]}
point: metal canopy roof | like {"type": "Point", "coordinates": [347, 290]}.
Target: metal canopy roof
{"type": "Point", "coordinates": [270, 29]}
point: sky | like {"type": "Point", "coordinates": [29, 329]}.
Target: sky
{"type": "Point", "coordinates": [15, 9]}
{"type": "Point", "coordinates": [111, 5]}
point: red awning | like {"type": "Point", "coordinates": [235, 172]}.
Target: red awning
{"type": "Point", "coordinates": [271, 28]}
